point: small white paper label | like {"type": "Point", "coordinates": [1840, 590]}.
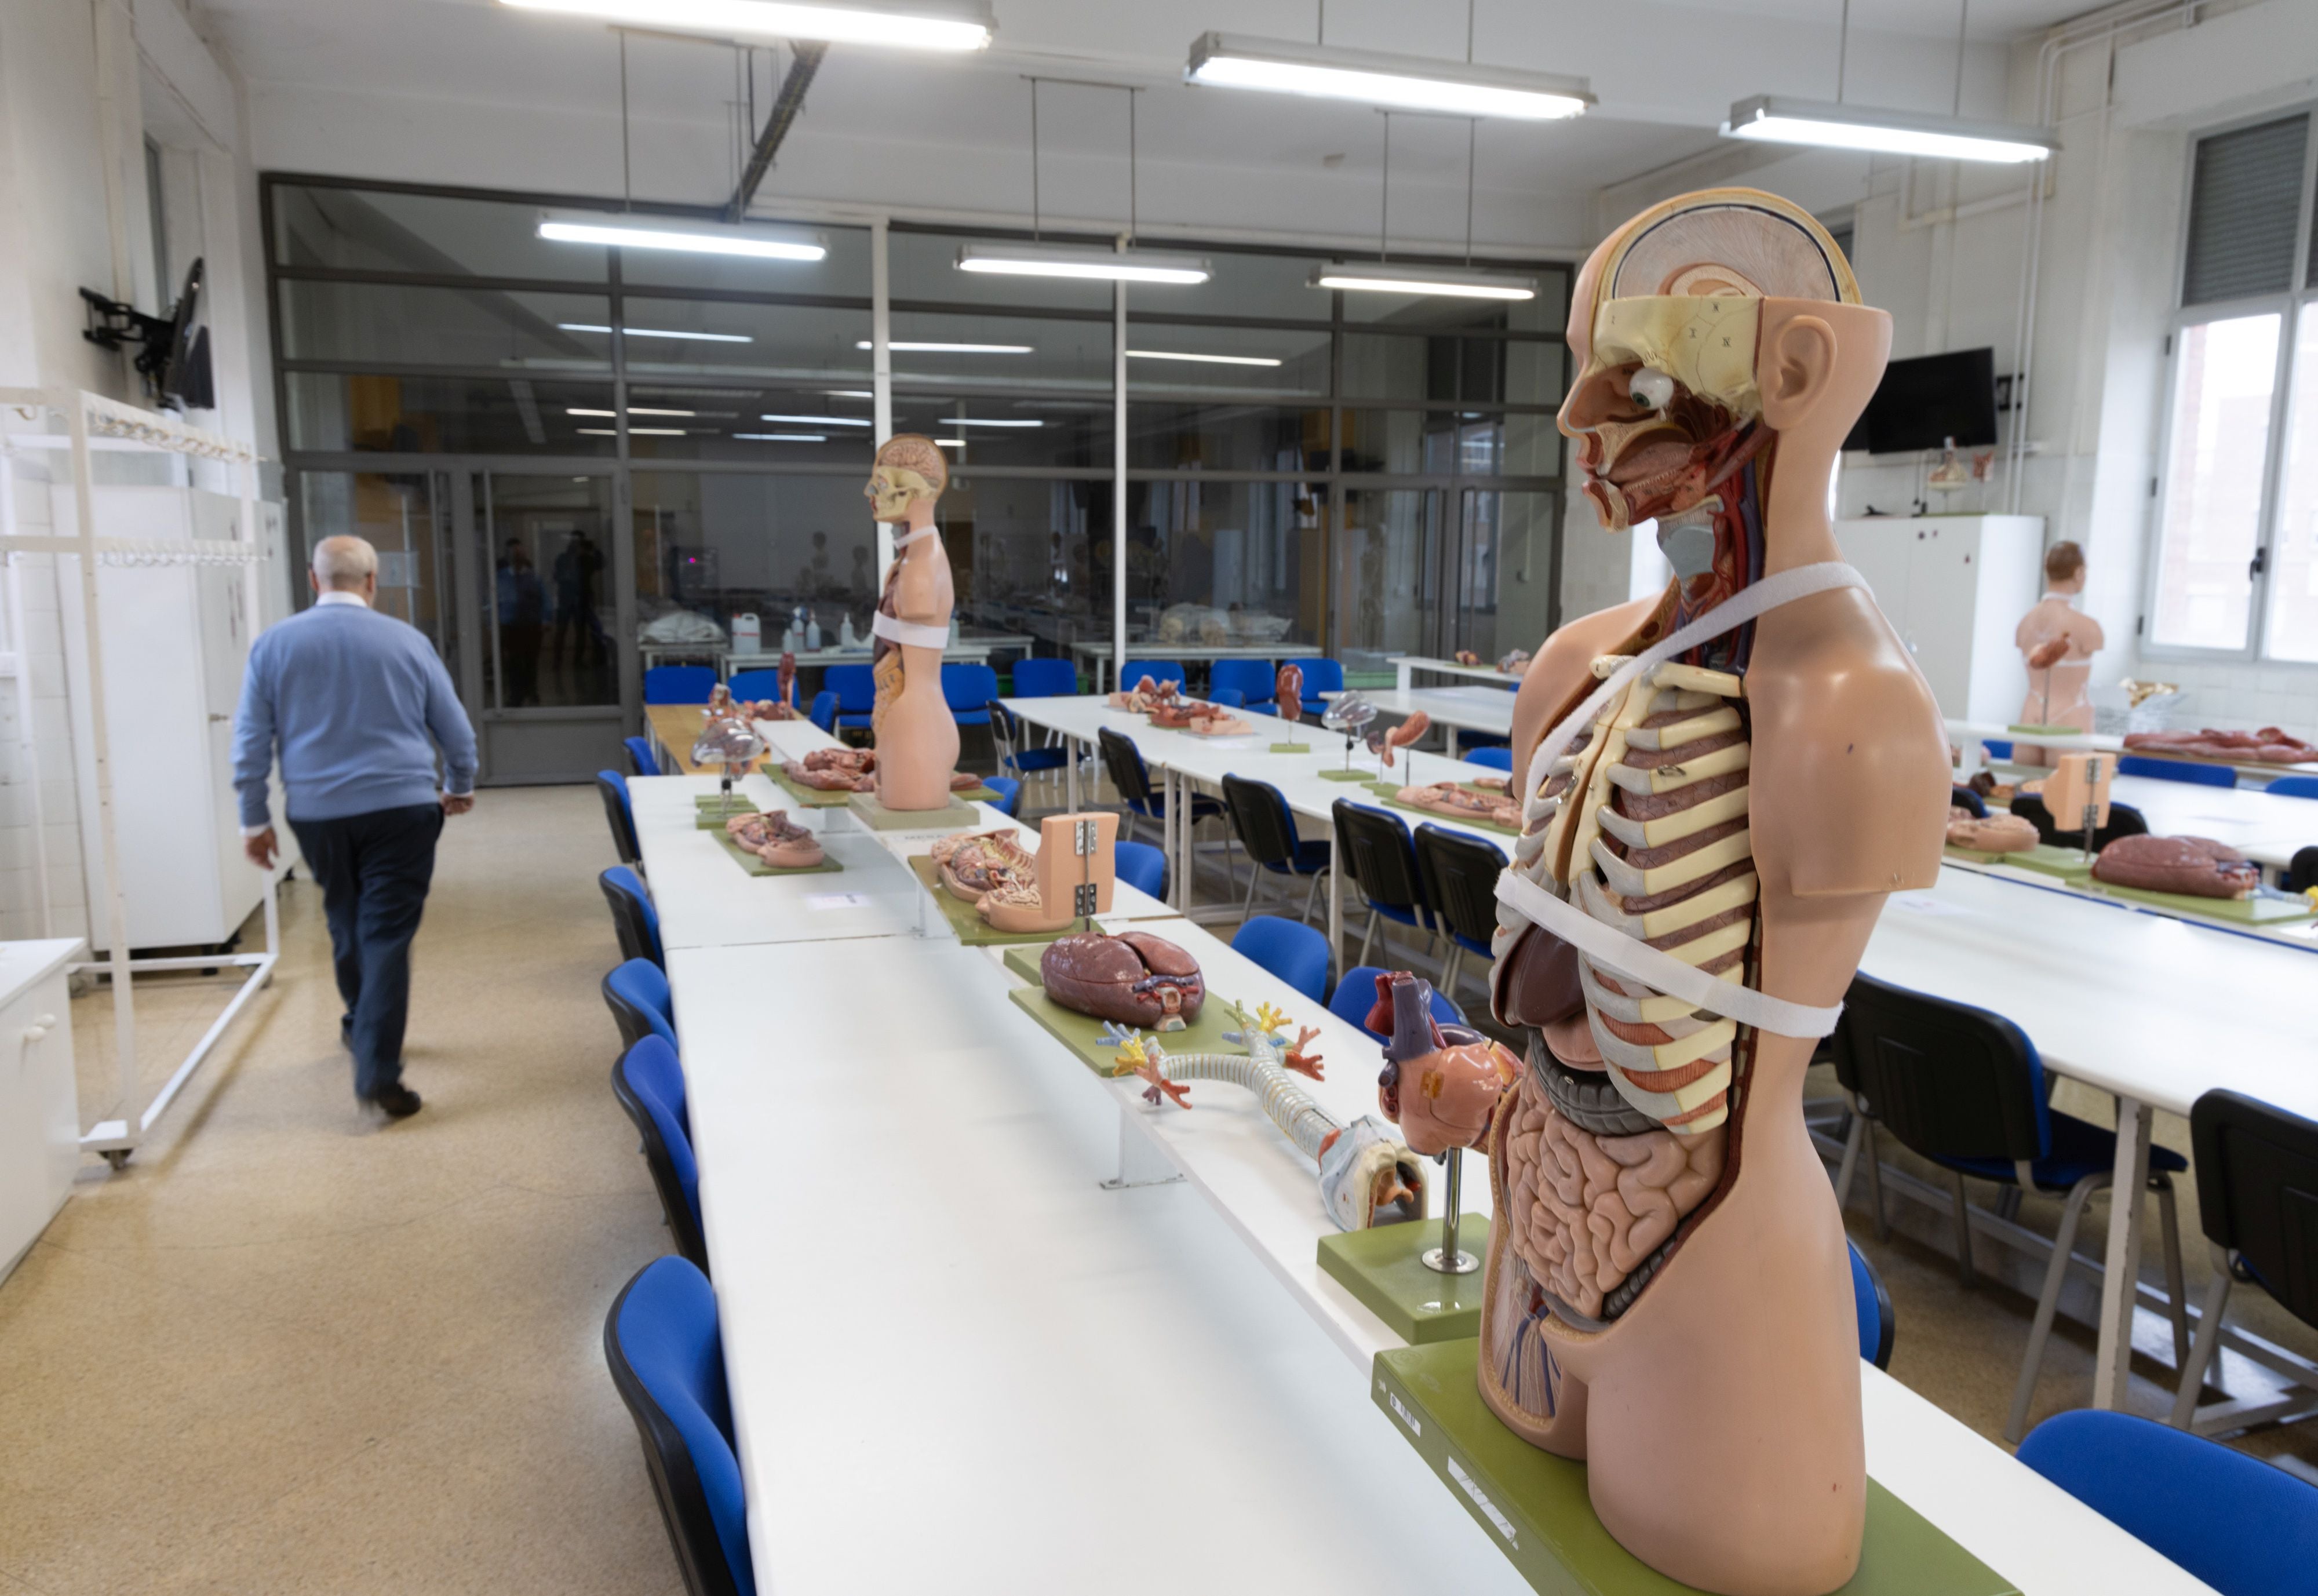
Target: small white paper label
{"type": "Point", "coordinates": [837, 901]}
{"type": "Point", "coordinates": [1488, 1508]}
{"type": "Point", "coordinates": [1406, 1417]}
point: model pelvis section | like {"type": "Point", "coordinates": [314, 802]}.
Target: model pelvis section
{"type": "Point", "coordinates": [1617, 1132]}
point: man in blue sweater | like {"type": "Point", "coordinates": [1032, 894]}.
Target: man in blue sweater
{"type": "Point", "coordinates": [353, 698]}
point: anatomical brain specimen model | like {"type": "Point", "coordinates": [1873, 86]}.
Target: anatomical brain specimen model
{"type": "Point", "coordinates": [1719, 786]}
{"type": "Point", "coordinates": [915, 733]}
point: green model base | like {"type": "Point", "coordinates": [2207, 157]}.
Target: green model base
{"type": "Point", "coordinates": [2045, 858]}
{"type": "Point", "coordinates": [710, 818]}
{"type": "Point", "coordinates": [1534, 1504]}
{"type": "Point", "coordinates": [1344, 776]}
{"type": "Point", "coordinates": [757, 866]}
{"type": "Point", "coordinates": [954, 817]}
{"type": "Point", "coordinates": [806, 797]}
{"type": "Point", "coordinates": [1385, 1268]}
{"type": "Point", "coordinates": [1294, 747]}
{"type": "Point", "coordinates": [2047, 731]}
{"type": "Point", "coordinates": [1386, 794]}
{"type": "Point", "coordinates": [1082, 1032]}
{"type": "Point", "coordinates": [2237, 911]}
{"type": "Point", "coordinates": [963, 919]}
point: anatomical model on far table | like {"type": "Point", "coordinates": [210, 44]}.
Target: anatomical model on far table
{"type": "Point", "coordinates": [916, 735]}
{"type": "Point", "coordinates": [1720, 785]}
{"type": "Point", "coordinates": [2058, 643]}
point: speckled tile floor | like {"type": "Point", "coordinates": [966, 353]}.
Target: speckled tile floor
{"type": "Point", "coordinates": [293, 1349]}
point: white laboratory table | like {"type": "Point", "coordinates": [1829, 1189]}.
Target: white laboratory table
{"type": "Point", "coordinates": [1184, 759]}
{"type": "Point", "coordinates": [1452, 709]}
{"type": "Point", "coordinates": [2263, 826]}
{"type": "Point", "coordinates": [986, 1372]}
{"type": "Point", "coordinates": [1407, 666]}
{"type": "Point", "coordinates": [1971, 737]}
{"type": "Point", "coordinates": [2156, 1011]}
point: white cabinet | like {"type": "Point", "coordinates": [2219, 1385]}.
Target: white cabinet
{"type": "Point", "coordinates": [176, 638]}
{"type": "Point", "coordinates": [39, 1115]}
{"type": "Point", "coordinates": [1954, 589]}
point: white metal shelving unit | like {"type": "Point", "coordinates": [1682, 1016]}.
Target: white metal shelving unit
{"type": "Point", "coordinates": [92, 421]}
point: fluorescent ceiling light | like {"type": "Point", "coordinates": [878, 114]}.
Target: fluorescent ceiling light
{"type": "Point", "coordinates": [633, 410]}
{"type": "Point", "coordinates": [850, 392]}
{"type": "Point", "coordinates": [951, 443]}
{"type": "Point", "coordinates": [633, 432]}
{"type": "Point", "coordinates": [1107, 266]}
{"type": "Point", "coordinates": [926, 25]}
{"type": "Point", "coordinates": [971, 421]}
{"type": "Point", "coordinates": [1404, 82]}
{"type": "Point", "coordinates": [1213, 360]}
{"type": "Point", "coordinates": [649, 332]}
{"type": "Point", "coordinates": [1457, 281]}
{"type": "Point", "coordinates": [820, 420]}
{"type": "Point", "coordinates": [782, 437]}
{"type": "Point", "coordinates": [950, 349]}
{"type": "Point", "coordinates": [759, 243]}
{"type": "Point", "coordinates": [1774, 119]}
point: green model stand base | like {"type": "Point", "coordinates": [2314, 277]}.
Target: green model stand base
{"type": "Point", "coordinates": [1385, 1268]}
{"type": "Point", "coordinates": [2237, 911]}
{"type": "Point", "coordinates": [757, 866]}
{"type": "Point", "coordinates": [1082, 1032]}
{"type": "Point", "coordinates": [2047, 731]}
{"type": "Point", "coordinates": [954, 817]}
{"type": "Point", "coordinates": [711, 814]}
{"type": "Point", "coordinates": [1344, 776]}
{"type": "Point", "coordinates": [1386, 794]}
{"type": "Point", "coordinates": [964, 921]}
{"type": "Point", "coordinates": [807, 797]}
{"type": "Point", "coordinates": [1534, 1506]}
{"type": "Point", "coordinates": [1293, 747]}
{"type": "Point", "coordinates": [2045, 858]}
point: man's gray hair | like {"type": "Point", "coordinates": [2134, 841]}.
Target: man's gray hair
{"type": "Point", "coordinates": [345, 561]}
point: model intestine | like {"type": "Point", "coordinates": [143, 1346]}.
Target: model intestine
{"type": "Point", "coordinates": [1718, 818]}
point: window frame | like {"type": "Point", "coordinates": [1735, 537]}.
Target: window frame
{"type": "Point", "coordinates": [2301, 290]}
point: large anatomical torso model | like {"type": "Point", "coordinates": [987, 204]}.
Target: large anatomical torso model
{"type": "Point", "coordinates": [916, 736]}
{"type": "Point", "coordinates": [1668, 1294]}
{"type": "Point", "coordinates": [2056, 691]}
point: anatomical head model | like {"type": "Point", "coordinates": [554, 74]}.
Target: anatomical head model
{"type": "Point", "coordinates": [915, 733]}
{"type": "Point", "coordinates": [1719, 785]}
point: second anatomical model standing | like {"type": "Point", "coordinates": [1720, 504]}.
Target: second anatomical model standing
{"type": "Point", "coordinates": [915, 735]}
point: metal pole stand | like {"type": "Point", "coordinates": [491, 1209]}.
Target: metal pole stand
{"type": "Point", "coordinates": [1446, 1259]}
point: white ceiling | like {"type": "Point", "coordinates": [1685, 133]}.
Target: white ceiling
{"type": "Point", "coordinates": [471, 92]}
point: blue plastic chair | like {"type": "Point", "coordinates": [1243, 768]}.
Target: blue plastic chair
{"type": "Point", "coordinates": [856, 686]}
{"type": "Point", "coordinates": [2242, 1526]}
{"type": "Point", "coordinates": [1233, 698]}
{"type": "Point", "coordinates": [1045, 679]}
{"type": "Point", "coordinates": [1160, 671]}
{"type": "Point", "coordinates": [1996, 748]}
{"type": "Point", "coordinates": [1292, 950]}
{"type": "Point", "coordinates": [1493, 759]}
{"type": "Point", "coordinates": [1375, 849]}
{"type": "Point", "coordinates": [679, 683]}
{"type": "Point", "coordinates": [637, 994]}
{"type": "Point", "coordinates": [648, 1082]}
{"type": "Point", "coordinates": [2175, 770]}
{"type": "Point", "coordinates": [1320, 676]}
{"type": "Point", "coordinates": [662, 1341]}
{"type": "Point", "coordinates": [1961, 797]}
{"type": "Point", "coordinates": [969, 690]}
{"type": "Point", "coordinates": [756, 684]}
{"type": "Point", "coordinates": [823, 711]}
{"type": "Point", "coordinates": [1009, 795]}
{"type": "Point", "coordinates": [1872, 1304]}
{"type": "Point", "coordinates": [1356, 995]}
{"type": "Point", "coordinates": [1141, 867]}
{"type": "Point", "coordinates": [1460, 874]}
{"type": "Point", "coordinates": [1254, 680]}
{"type": "Point", "coordinates": [634, 921]}
{"type": "Point", "coordinates": [640, 756]}
{"type": "Point", "coordinates": [2295, 786]}
{"type": "Point", "coordinates": [1266, 828]}
{"type": "Point", "coordinates": [620, 814]}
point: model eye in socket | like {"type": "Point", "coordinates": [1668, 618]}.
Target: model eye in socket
{"type": "Point", "coordinates": [1651, 389]}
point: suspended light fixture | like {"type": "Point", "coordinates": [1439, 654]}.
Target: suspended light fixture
{"type": "Point", "coordinates": [1213, 360]}
{"type": "Point", "coordinates": [1399, 277]}
{"type": "Point", "coordinates": [918, 24]}
{"type": "Point", "coordinates": [908, 347]}
{"type": "Point", "coordinates": [625, 233]}
{"type": "Point", "coordinates": [1055, 260]}
{"type": "Point", "coordinates": [650, 332]}
{"type": "Point", "coordinates": [817, 420]}
{"type": "Point", "coordinates": [1774, 119]}
{"type": "Point", "coordinates": [1403, 83]}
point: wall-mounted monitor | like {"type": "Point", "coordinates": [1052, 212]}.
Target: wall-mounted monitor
{"type": "Point", "coordinates": [1922, 403]}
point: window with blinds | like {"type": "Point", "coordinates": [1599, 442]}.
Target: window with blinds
{"type": "Point", "coordinates": [2245, 205]}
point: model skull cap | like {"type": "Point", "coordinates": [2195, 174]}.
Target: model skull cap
{"type": "Point", "coordinates": [1679, 289]}
{"type": "Point", "coordinates": [914, 452]}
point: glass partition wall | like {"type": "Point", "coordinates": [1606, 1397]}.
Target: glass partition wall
{"type": "Point", "coordinates": [606, 457]}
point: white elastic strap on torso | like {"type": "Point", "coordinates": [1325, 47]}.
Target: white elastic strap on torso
{"type": "Point", "coordinates": [1629, 955]}
{"type": "Point", "coordinates": [918, 536]}
{"type": "Point", "coordinates": [909, 633]}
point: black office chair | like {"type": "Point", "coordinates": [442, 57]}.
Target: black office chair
{"type": "Point", "coordinates": [1965, 1088]}
{"type": "Point", "coordinates": [1460, 875]}
{"type": "Point", "coordinates": [1963, 797]}
{"type": "Point", "coordinates": [634, 921]}
{"type": "Point", "coordinates": [2258, 1205]}
{"type": "Point", "coordinates": [1140, 802]}
{"type": "Point", "coordinates": [2124, 821]}
{"type": "Point", "coordinates": [1266, 827]}
{"type": "Point", "coordinates": [648, 1082]}
{"type": "Point", "coordinates": [1380, 859]}
{"type": "Point", "coordinates": [613, 789]}
{"type": "Point", "coordinates": [2302, 873]}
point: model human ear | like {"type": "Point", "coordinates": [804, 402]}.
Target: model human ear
{"type": "Point", "coordinates": [1797, 360]}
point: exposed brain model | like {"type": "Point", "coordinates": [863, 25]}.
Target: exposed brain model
{"type": "Point", "coordinates": [1719, 785]}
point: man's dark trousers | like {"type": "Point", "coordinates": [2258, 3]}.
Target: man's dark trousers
{"type": "Point", "coordinates": [373, 869]}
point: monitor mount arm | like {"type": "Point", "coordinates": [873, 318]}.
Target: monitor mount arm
{"type": "Point", "coordinates": [113, 325]}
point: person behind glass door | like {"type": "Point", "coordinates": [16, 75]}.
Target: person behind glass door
{"type": "Point", "coordinates": [357, 703]}
{"type": "Point", "coordinates": [523, 607]}
{"type": "Point", "coordinates": [2056, 633]}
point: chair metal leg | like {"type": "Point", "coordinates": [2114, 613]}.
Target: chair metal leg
{"type": "Point", "coordinates": [1255, 879]}
{"type": "Point", "coordinates": [2176, 1290]}
{"type": "Point", "coordinates": [1963, 1229]}
{"type": "Point", "coordinates": [1454, 968]}
{"type": "Point", "coordinates": [1312, 893]}
{"type": "Point", "coordinates": [2209, 1340]}
{"type": "Point", "coordinates": [2048, 1304]}
{"type": "Point", "coordinates": [1873, 1160]}
{"type": "Point", "coordinates": [1369, 936]}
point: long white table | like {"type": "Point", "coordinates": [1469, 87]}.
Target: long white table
{"type": "Point", "coordinates": [2263, 826]}
{"type": "Point", "coordinates": [2155, 1011]}
{"type": "Point", "coordinates": [984, 1371]}
{"type": "Point", "coordinates": [1406, 667]}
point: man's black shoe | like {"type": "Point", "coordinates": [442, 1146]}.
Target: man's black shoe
{"type": "Point", "coordinates": [396, 1102]}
